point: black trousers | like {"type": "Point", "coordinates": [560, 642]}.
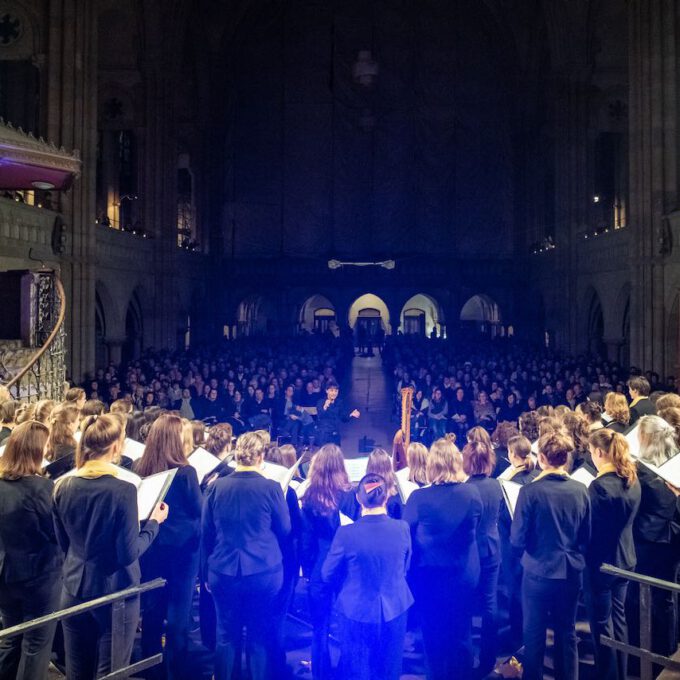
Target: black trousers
{"type": "Point", "coordinates": [487, 602]}
{"type": "Point", "coordinates": [87, 638]}
{"type": "Point", "coordinates": [372, 650]}
{"type": "Point", "coordinates": [320, 605]}
{"type": "Point", "coordinates": [246, 601]}
{"type": "Point", "coordinates": [445, 609]}
{"type": "Point", "coordinates": [172, 603]}
{"type": "Point", "coordinates": [606, 601]}
{"type": "Point", "coordinates": [27, 656]}
{"type": "Point", "coordinates": [550, 602]}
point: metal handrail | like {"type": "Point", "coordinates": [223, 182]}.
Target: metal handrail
{"type": "Point", "coordinates": [119, 669]}
{"type": "Point", "coordinates": [50, 339]}
{"type": "Point", "coordinates": [643, 652]}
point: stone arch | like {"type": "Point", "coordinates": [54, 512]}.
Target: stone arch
{"type": "Point", "coordinates": [370, 312]}
{"type": "Point", "coordinates": [481, 313]}
{"type": "Point", "coordinates": [255, 315]}
{"type": "Point", "coordinates": [133, 345]}
{"type": "Point", "coordinates": [593, 320]}
{"type": "Point", "coordinates": [421, 314]}
{"type": "Point", "coordinates": [318, 314]}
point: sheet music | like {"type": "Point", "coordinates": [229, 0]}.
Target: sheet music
{"type": "Point", "coordinates": [344, 520]}
{"type": "Point", "coordinates": [132, 449]}
{"type": "Point", "coordinates": [356, 468]}
{"type": "Point", "coordinates": [633, 441]}
{"type": "Point", "coordinates": [506, 474]}
{"type": "Point", "coordinates": [203, 462]}
{"type": "Point", "coordinates": [301, 488]}
{"type": "Point", "coordinates": [280, 473]}
{"type": "Point", "coordinates": [2, 450]}
{"type": "Point", "coordinates": [669, 471]}
{"type": "Point", "coordinates": [534, 447]}
{"type": "Point", "coordinates": [404, 485]}
{"type": "Point", "coordinates": [152, 490]}
{"type": "Point", "coordinates": [582, 475]}
{"type": "Point", "coordinates": [511, 494]}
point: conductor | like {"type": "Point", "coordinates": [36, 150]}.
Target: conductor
{"type": "Point", "coordinates": [330, 413]}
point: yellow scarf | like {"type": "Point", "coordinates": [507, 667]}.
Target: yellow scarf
{"type": "Point", "coordinates": [559, 473]}
{"type": "Point", "coordinates": [635, 401]}
{"type": "Point", "coordinates": [606, 468]}
{"type": "Point", "coordinates": [94, 469]}
{"type": "Point", "coordinates": [517, 470]}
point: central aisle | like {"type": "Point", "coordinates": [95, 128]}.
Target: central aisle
{"type": "Point", "coordinates": [369, 390]}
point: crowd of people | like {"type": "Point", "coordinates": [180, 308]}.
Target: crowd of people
{"type": "Point", "coordinates": [424, 548]}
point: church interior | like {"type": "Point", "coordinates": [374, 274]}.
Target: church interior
{"type": "Point", "coordinates": [398, 200]}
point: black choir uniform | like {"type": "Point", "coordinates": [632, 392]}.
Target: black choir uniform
{"type": "Point", "coordinates": [655, 532]}
{"type": "Point", "coordinates": [174, 557]}
{"type": "Point", "coordinates": [443, 520]}
{"type": "Point", "coordinates": [367, 562]}
{"type": "Point", "coordinates": [97, 526]}
{"type": "Point", "coordinates": [64, 461]}
{"type": "Point", "coordinates": [642, 406]}
{"type": "Point", "coordinates": [30, 574]}
{"type": "Point", "coordinates": [245, 523]}
{"type": "Point", "coordinates": [489, 544]}
{"type": "Point", "coordinates": [318, 531]}
{"type": "Point", "coordinates": [511, 569]}
{"type": "Point", "coordinates": [613, 507]}
{"type": "Point", "coordinates": [552, 527]}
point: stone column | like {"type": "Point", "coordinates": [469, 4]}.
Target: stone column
{"type": "Point", "coordinates": [653, 158]}
{"type": "Point", "coordinates": [71, 72]}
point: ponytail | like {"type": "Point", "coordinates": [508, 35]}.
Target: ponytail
{"type": "Point", "coordinates": [616, 447]}
{"type": "Point", "coordinates": [100, 433]}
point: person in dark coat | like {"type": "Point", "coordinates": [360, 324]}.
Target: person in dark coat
{"type": "Point", "coordinates": [522, 471]}
{"type": "Point", "coordinates": [30, 559]}
{"type": "Point", "coordinates": [641, 405]}
{"type": "Point", "coordinates": [328, 500]}
{"type": "Point", "coordinates": [245, 522]}
{"type": "Point", "coordinates": [96, 521]}
{"type": "Point", "coordinates": [367, 563]}
{"type": "Point", "coordinates": [655, 533]}
{"type": "Point", "coordinates": [614, 501]}
{"type": "Point", "coordinates": [479, 462]}
{"type": "Point", "coordinates": [551, 526]}
{"type": "Point", "coordinates": [331, 412]}
{"type": "Point", "coordinates": [443, 518]}
{"type": "Point", "coordinates": [174, 554]}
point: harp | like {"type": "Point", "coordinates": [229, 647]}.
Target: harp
{"type": "Point", "coordinates": [402, 438]}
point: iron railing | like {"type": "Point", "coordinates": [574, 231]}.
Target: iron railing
{"type": "Point", "coordinates": [43, 377]}
{"type": "Point", "coordinates": [643, 652]}
{"type": "Point", "coordinates": [120, 668]}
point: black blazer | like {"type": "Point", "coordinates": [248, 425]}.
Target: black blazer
{"type": "Point", "coordinates": [318, 531]}
{"type": "Point", "coordinates": [245, 522]}
{"type": "Point", "coordinates": [369, 560]}
{"type": "Point", "coordinates": [521, 477]}
{"type": "Point", "coordinates": [443, 520]}
{"type": "Point", "coordinates": [97, 526]}
{"type": "Point", "coordinates": [182, 528]}
{"type": "Point", "coordinates": [488, 539]}
{"type": "Point", "coordinates": [28, 545]}
{"type": "Point", "coordinates": [552, 526]}
{"type": "Point", "coordinates": [658, 519]}
{"type": "Point", "coordinates": [64, 461]}
{"type": "Point", "coordinates": [644, 407]}
{"type": "Point", "coordinates": [615, 426]}
{"type": "Point", "coordinates": [613, 508]}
